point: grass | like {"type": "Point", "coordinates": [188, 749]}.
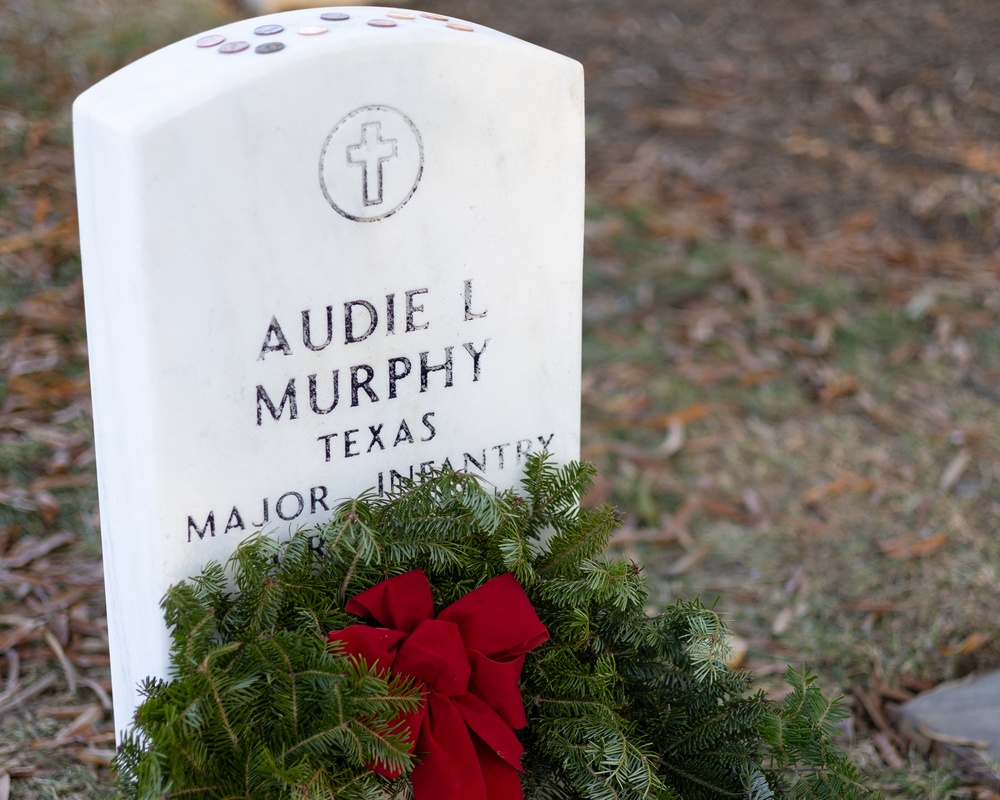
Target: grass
{"type": "Point", "coordinates": [816, 447]}
{"type": "Point", "coordinates": [802, 445]}
{"type": "Point", "coordinates": [56, 735]}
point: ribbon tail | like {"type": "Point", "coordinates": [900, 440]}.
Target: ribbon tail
{"type": "Point", "coordinates": [448, 768]}
{"type": "Point", "coordinates": [502, 780]}
{"type": "Point", "coordinates": [489, 726]}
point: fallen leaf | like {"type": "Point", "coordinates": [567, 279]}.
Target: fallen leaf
{"type": "Point", "coordinates": [82, 723]}
{"type": "Point", "coordinates": [59, 482]}
{"type": "Point", "coordinates": [638, 456]}
{"type": "Point", "coordinates": [48, 507]}
{"type": "Point", "coordinates": [720, 508]}
{"type": "Point", "coordinates": [674, 117]}
{"type": "Point", "coordinates": [889, 754]}
{"type": "Point", "coordinates": [94, 757]}
{"type": "Point", "coordinates": [912, 545]}
{"type": "Point", "coordinates": [24, 632]}
{"type": "Point", "coordinates": [684, 416]}
{"type": "Point", "coordinates": [51, 388]}
{"type": "Point", "coordinates": [756, 377]}
{"type": "Point", "coordinates": [8, 704]}
{"type": "Point", "coordinates": [876, 606]}
{"type": "Point", "coordinates": [64, 661]}
{"type": "Point", "coordinates": [626, 404]}
{"type": "Point", "coordinates": [752, 503]}
{"type": "Point", "coordinates": [750, 282]}
{"type": "Point", "coordinates": [28, 550]}
{"type": "Point", "coordinates": [687, 561]}
{"type": "Point", "coordinates": [674, 441]}
{"type": "Point", "coordinates": [878, 415]}
{"type": "Point", "coordinates": [916, 684]}
{"type": "Point", "coordinates": [841, 485]}
{"type": "Point", "coordinates": [970, 644]}
{"type": "Point", "coordinates": [800, 144]}
{"type": "Point", "coordinates": [783, 621]}
{"type": "Point", "coordinates": [42, 235]}
{"type": "Point", "coordinates": [838, 386]}
{"type": "Point", "coordinates": [738, 649]}
{"type": "Point", "coordinates": [100, 691]}
{"type": "Point", "coordinates": [859, 221]}
{"type": "Point", "coordinates": [954, 470]}
{"type": "Point", "coordinates": [43, 205]}
{"type": "Point", "coordinates": [630, 534]}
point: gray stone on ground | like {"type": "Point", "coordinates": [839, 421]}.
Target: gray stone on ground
{"type": "Point", "coordinates": [960, 714]}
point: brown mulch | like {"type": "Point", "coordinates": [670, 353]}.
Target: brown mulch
{"type": "Point", "coordinates": [862, 133]}
{"type": "Point", "coordinates": [866, 125]}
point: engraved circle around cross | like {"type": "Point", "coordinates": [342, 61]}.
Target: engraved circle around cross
{"type": "Point", "coordinates": [371, 163]}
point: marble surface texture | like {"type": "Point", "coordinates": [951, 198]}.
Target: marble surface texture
{"type": "Point", "coordinates": [343, 253]}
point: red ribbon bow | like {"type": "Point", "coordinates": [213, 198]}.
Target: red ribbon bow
{"type": "Point", "coordinates": [469, 659]}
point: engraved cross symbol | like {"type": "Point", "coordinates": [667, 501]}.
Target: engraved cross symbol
{"type": "Point", "coordinates": [369, 154]}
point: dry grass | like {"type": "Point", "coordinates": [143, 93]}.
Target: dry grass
{"type": "Point", "coordinates": [56, 736]}
{"type": "Point", "coordinates": [816, 447]}
{"type": "Point", "coordinates": [810, 433]}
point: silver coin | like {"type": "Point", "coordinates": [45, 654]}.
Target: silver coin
{"type": "Point", "coordinates": [210, 41]}
{"type": "Point", "coordinates": [269, 47]}
{"type": "Point", "coordinates": [234, 47]}
{"type": "Point", "coordinates": [268, 30]}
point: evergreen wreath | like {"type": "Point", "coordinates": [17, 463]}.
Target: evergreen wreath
{"type": "Point", "coordinates": [268, 699]}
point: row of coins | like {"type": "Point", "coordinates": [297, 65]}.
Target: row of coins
{"type": "Point", "coordinates": [215, 39]}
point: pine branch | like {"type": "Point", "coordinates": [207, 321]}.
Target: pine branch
{"type": "Point", "coordinates": [620, 706]}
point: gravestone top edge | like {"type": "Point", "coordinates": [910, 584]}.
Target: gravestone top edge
{"type": "Point", "coordinates": [193, 70]}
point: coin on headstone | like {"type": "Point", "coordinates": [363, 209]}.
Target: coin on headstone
{"type": "Point", "coordinates": [210, 41]}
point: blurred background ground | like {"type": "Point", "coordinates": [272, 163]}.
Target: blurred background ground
{"type": "Point", "coordinates": [791, 344]}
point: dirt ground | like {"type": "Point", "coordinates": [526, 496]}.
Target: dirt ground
{"type": "Point", "coordinates": [842, 157]}
{"type": "Point", "coordinates": [791, 343]}
{"type": "Point", "coordinates": [812, 115]}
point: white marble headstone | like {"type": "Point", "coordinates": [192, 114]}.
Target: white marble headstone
{"type": "Point", "coordinates": [323, 250]}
